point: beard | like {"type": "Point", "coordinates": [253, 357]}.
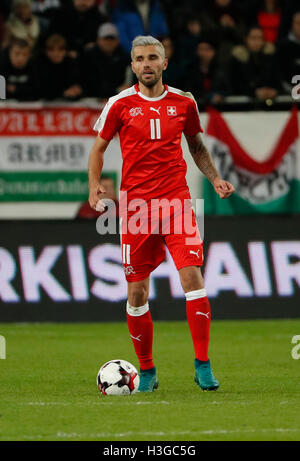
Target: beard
{"type": "Point", "coordinates": [151, 82]}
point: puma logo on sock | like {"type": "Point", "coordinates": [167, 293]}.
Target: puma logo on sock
{"type": "Point", "coordinates": [203, 313]}
{"type": "Point", "coordinates": [137, 338]}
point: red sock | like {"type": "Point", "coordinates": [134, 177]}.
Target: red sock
{"type": "Point", "coordinates": [141, 331]}
{"type": "Point", "coordinates": [198, 316]}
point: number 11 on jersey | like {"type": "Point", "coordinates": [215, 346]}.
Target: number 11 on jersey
{"type": "Point", "coordinates": [155, 128]}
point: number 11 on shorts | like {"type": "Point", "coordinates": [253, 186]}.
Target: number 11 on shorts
{"type": "Point", "coordinates": [155, 128]}
{"type": "Point", "coordinates": [126, 253]}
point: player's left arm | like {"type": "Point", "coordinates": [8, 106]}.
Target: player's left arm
{"type": "Point", "coordinates": [206, 165]}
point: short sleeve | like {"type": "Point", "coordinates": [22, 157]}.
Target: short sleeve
{"type": "Point", "coordinates": [109, 122]}
{"type": "Point", "coordinates": [192, 123]}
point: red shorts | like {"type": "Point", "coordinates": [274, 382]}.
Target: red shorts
{"type": "Point", "coordinates": [145, 235]}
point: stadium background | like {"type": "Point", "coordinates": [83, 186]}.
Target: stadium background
{"type": "Point", "coordinates": [54, 265]}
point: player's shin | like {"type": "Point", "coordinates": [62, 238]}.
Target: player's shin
{"type": "Point", "coordinates": [198, 316]}
{"type": "Point", "coordinates": [140, 327]}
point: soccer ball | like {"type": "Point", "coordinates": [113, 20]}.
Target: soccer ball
{"type": "Point", "coordinates": [118, 377]}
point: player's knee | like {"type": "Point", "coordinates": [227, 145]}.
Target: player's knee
{"type": "Point", "coordinates": [191, 278]}
{"type": "Point", "coordinates": [138, 295]}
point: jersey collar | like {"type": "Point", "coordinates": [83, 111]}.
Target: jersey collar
{"type": "Point", "coordinates": [151, 99]}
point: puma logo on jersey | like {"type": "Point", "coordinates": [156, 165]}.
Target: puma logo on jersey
{"type": "Point", "coordinates": [138, 338]}
{"type": "Point", "coordinates": [156, 110]}
{"type": "Point", "coordinates": [195, 253]}
{"type": "Point", "coordinates": [203, 313]}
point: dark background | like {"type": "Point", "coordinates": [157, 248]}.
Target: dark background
{"type": "Point", "coordinates": [227, 305]}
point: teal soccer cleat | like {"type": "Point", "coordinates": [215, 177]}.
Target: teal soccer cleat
{"type": "Point", "coordinates": [204, 376]}
{"type": "Point", "coordinates": [148, 380]}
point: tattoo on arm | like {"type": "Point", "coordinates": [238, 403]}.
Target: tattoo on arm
{"type": "Point", "coordinates": [202, 157]}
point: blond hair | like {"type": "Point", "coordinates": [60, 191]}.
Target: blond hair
{"type": "Point", "coordinates": [147, 40]}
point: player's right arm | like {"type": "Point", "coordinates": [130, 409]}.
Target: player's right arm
{"type": "Point", "coordinates": [95, 168]}
{"type": "Point", "coordinates": [107, 126]}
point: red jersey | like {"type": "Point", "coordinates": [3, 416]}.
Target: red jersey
{"type": "Point", "coordinates": [150, 131]}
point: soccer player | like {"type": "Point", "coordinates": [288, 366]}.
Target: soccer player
{"type": "Point", "coordinates": [150, 118]}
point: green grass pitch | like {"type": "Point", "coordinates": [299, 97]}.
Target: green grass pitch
{"type": "Point", "coordinates": [48, 384]}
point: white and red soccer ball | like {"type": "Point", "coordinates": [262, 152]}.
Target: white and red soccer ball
{"type": "Point", "coordinates": [118, 377]}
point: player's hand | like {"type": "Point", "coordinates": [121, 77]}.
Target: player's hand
{"type": "Point", "coordinates": [96, 190]}
{"type": "Point", "coordinates": [223, 188]}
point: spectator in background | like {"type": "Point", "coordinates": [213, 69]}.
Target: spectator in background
{"type": "Point", "coordinates": [46, 8]}
{"type": "Point", "coordinates": [189, 40]}
{"type": "Point", "coordinates": [78, 23]}
{"type": "Point", "coordinates": [106, 66]}
{"type": "Point", "coordinates": [179, 12]}
{"type": "Point", "coordinates": [175, 72]}
{"type": "Point", "coordinates": [17, 68]}
{"type": "Point", "coordinates": [106, 6]}
{"type": "Point", "coordinates": [289, 54]}
{"type": "Point", "coordinates": [21, 24]}
{"type": "Point", "coordinates": [58, 73]}
{"type": "Point", "coordinates": [205, 78]}
{"type": "Point", "coordinates": [268, 18]}
{"type": "Point", "coordinates": [253, 69]}
{"type": "Point", "coordinates": [224, 20]}
{"type": "Point", "coordinates": [289, 8]}
{"type": "Point", "coordinates": [139, 17]}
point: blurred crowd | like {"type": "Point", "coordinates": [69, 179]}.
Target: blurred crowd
{"type": "Point", "coordinates": [70, 49]}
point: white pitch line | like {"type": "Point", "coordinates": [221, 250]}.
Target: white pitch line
{"type": "Point", "coordinates": [163, 402]}
{"type": "Point", "coordinates": [101, 402]}
{"type": "Point", "coordinates": [45, 404]}
{"type": "Point", "coordinates": [109, 400]}
{"type": "Point", "coordinates": [161, 433]}
{"type": "Point", "coordinates": [106, 435]}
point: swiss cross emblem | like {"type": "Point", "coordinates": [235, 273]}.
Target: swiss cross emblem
{"type": "Point", "coordinates": [171, 110]}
